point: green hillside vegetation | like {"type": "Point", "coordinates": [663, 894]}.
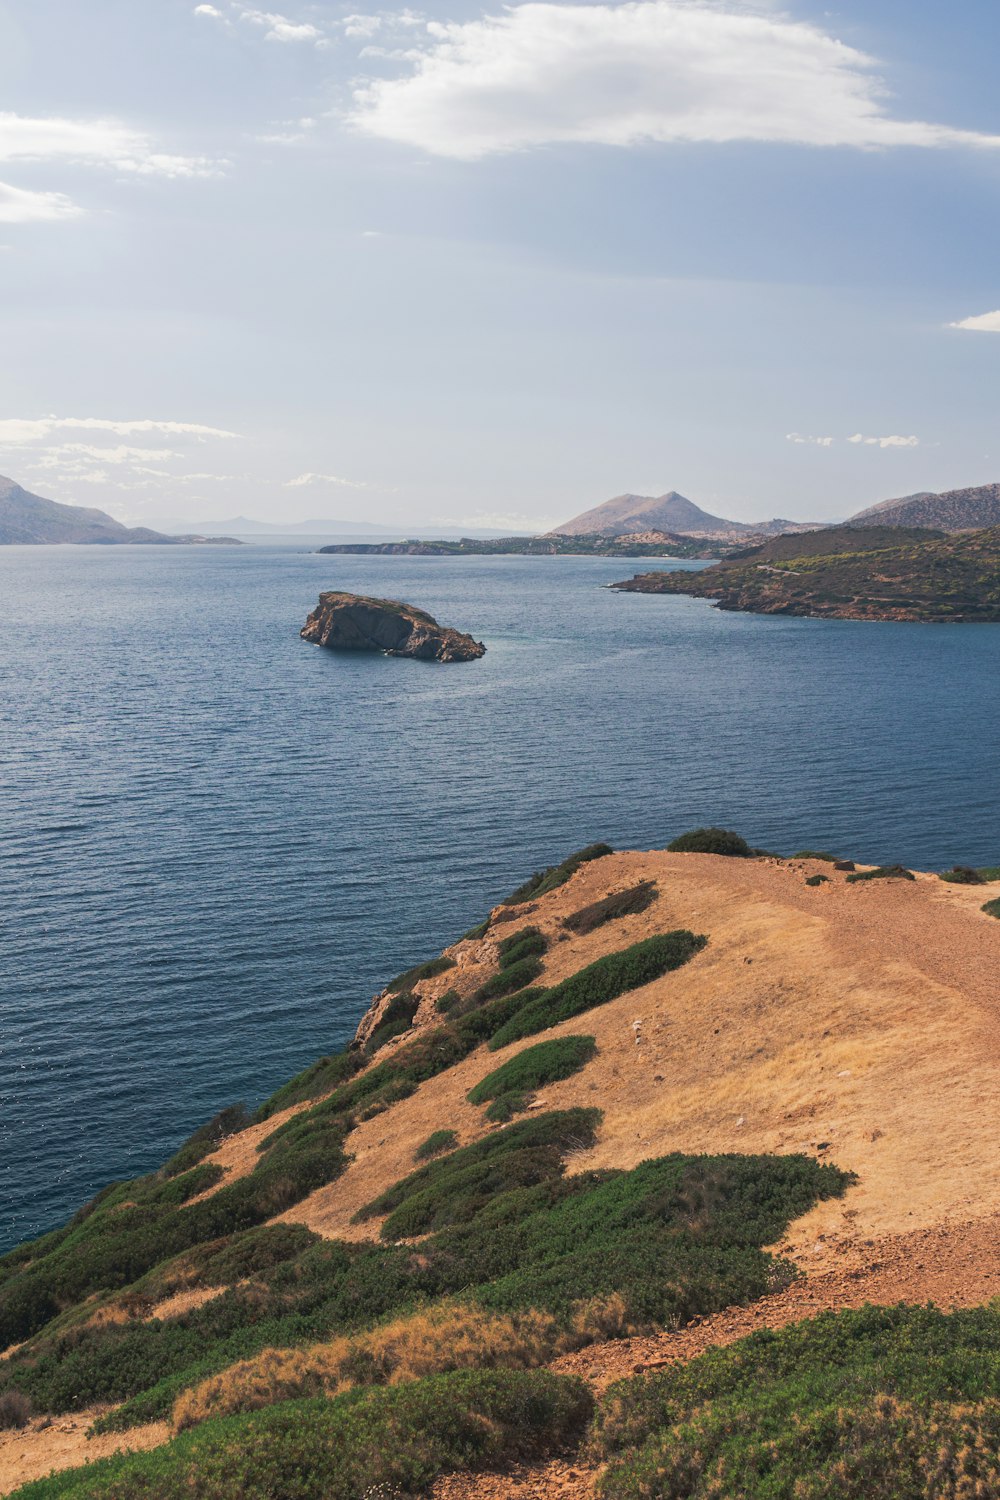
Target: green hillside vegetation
{"type": "Point", "coordinates": [546, 1062]}
{"type": "Point", "coordinates": [885, 1403]}
{"type": "Point", "coordinates": [863, 573]}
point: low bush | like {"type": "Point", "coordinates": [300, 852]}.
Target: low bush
{"type": "Point", "coordinates": [554, 876]}
{"type": "Point", "coordinates": [428, 970]}
{"type": "Point", "coordinates": [600, 982]}
{"type": "Point", "coordinates": [897, 1403]}
{"type": "Point", "coordinates": [475, 933]}
{"type": "Point", "coordinates": [816, 854]}
{"type": "Point", "coordinates": [547, 1062]}
{"type": "Point", "coordinates": [436, 1142]}
{"type": "Point", "coordinates": [391, 1441]}
{"type": "Point", "coordinates": [505, 1106]}
{"type": "Point", "coordinates": [396, 1018]}
{"type": "Point", "coordinates": [320, 1078]}
{"type": "Point", "coordinates": [884, 872]}
{"type": "Point", "coordinates": [992, 908]}
{"type": "Point", "coordinates": [817, 880]}
{"type": "Point", "coordinates": [710, 841]}
{"type": "Point", "coordinates": [962, 875]}
{"type": "Point", "coordinates": [480, 1023]}
{"type": "Point", "coordinates": [529, 942]}
{"type": "Point", "coordinates": [15, 1410]}
{"type": "Point", "coordinates": [513, 977]}
{"type": "Point", "coordinates": [619, 904]}
{"type": "Point", "coordinates": [447, 1002]}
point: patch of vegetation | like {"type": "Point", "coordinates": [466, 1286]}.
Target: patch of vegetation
{"type": "Point", "coordinates": [883, 872]}
{"type": "Point", "coordinates": [428, 970]}
{"type": "Point", "coordinates": [505, 1106]}
{"type": "Point", "coordinates": [15, 1411]}
{"type": "Point", "coordinates": [626, 903]}
{"type": "Point", "coordinates": [436, 1142]}
{"type": "Point", "coordinates": [962, 875]}
{"type": "Point", "coordinates": [455, 1189]}
{"type": "Point", "coordinates": [992, 908]}
{"type": "Point", "coordinates": [390, 1441]}
{"type": "Point", "coordinates": [554, 876]}
{"type": "Point", "coordinates": [817, 880]}
{"type": "Point", "coordinates": [547, 1062]}
{"type": "Point", "coordinates": [397, 1017]}
{"type": "Point", "coordinates": [816, 854]}
{"type": "Point", "coordinates": [321, 1077]}
{"type": "Point", "coordinates": [711, 841]}
{"type": "Point", "coordinates": [600, 982]}
{"type": "Point", "coordinates": [529, 942]}
{"type": "Point", "coordinates": [474, 933]}
{"type": "Point", "coordinates": [883, 1403]}
{"type": "Point", "coordinates": [207, 1138]}
{"type": "Point", "coordinates": [447, 1002]}
{"type": "Point", "coordinates": [515, 976]}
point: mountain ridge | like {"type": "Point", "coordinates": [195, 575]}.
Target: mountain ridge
{"type": "Point", "coordinates": [672, 512]}
{"type": "Point", "coordinates": [28, 520]}
{"type": "Point", "coordinates": [970, 509]}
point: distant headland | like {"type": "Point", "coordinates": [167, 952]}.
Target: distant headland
{"type": "Point", "coordinates": [28, 520]}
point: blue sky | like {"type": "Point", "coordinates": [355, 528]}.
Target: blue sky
{"type": "Point", "coordinates": [491, 265]}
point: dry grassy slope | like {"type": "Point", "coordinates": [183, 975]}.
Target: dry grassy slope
{"type": "Point", "coordinates": [862, 1016]}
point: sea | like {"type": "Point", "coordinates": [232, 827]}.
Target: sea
{"type": "Point", "coordinates": [218, 842]}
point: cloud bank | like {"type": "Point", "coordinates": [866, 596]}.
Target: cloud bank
{"type": "Point", "coordinates": [988, 322]}
{"type": "Point", "coordinates": [646, 71]}
{"type": "Point", "coordinates": [895, 440]}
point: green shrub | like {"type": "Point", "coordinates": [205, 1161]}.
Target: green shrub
{"type": "Point", "coordinates": [527, 943]}
{"type": "Point", "coordinates": [505, 1106]}
{"type": "Point", "coordinates": [320, 1078]}
{"type": "Point", "coordinates": [897, 1403]}
{"type": "Point", "coordinates": [817, 880]}
{"type": "Point", "coordinates": [385, 1441]}
{"type": "Point", "coordinates": [207, 1139]}
{"type": "Point", "coordinates": [481, 1023]}
{"type": "Point", "coordinates": [396, 1018]}
{"type": "Point", "coordinates": [550, 879]}
{"type": "Point", "coordinates": [509, 979]}
{"type": "Point", "coordinates": [547, 1062]}
{"type": "Point", "coordinates": [474, 933]}
{"type": "Point", "coordinates": [15, 1410]}
{"type": "Point", "coordinates": [436, 1142]}
{"type": "Point", "coordinates": [601, 981]}
{"type": "Point", "coordinates": [710, 841]}
{"type": "Point", "coordinates": [447, 1002]}
{"type": "Point", "coordinates": [428, 970]}
{"type": "Point", "coordinates": [962, 875]}
{"type": "Point", "coordinates": [884, 872]}
{"type": "Point", "coordinates": [992, 908]}
{"type": "Point", "coordinates": [816, 854]}
{"type": "Point", "coordinates": [619, 904]}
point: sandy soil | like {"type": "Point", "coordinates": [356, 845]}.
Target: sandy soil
{"type": "Point", "coordinates": [37, 1450]}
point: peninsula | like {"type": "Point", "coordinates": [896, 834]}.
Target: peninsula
{"type": "Point", "coordinates": [594, 544]}
{"type": "Point", "coordinates": [655, 1102]}
{"type": "Point", "coordinates": [353, 622]}
{"type": "Point", "coordinates": [31, 520]}
{"type": "Point", "coordinates": [851, 573]}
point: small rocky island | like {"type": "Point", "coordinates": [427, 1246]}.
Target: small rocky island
{"type": "Point", "coordinates": [353, 622]}
{"type": "Point", "coordinates": [851, 573]}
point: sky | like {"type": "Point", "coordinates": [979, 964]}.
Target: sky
{"type": "Point", "coordinates": [487, 265]}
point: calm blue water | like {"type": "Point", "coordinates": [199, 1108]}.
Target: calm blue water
{"type": "Point", "coordinates": [216, 842]}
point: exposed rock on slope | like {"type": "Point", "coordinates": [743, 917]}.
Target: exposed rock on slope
{"type": "Point", "coordinates": [952, 510]}
{"type": "Point", "coordinates": [30, 520]}
{"type": "Point", "coordinates": [352, 622]}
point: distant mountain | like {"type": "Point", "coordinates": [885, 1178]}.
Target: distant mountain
{"type": "Point", "coordinates": [952, 510]}
{"type": "Point", "coordinates": [27, 519]}
{"type": "Point", "coordinates": [628, 514]}
{"type": "Point", "coordinates": [246, 526]}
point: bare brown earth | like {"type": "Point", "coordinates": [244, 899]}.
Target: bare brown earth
{"type": "Point", "coordinates": [855, 1022]}
{"type": "Point", "coordinates": [37, 1450]}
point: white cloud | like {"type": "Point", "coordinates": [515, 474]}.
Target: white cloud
{"type": "Point", "coordinates": [893, 441]}
{"type": "Point", "coordinates": [106, 143]}
{"type": "Point", "coordinates": [306, 479]}
{"type": "Point", "coordinates": [988, 322]}
{"type": "Point", "coordinates": [22, 206]}
{"type": "Point", "coordinates": [208, 10]}
{"type": "Point", "coordinates": [20, 430]}
{"type": "Point", "coordinates": [800, 437]}
{"type": "Point", "coordinates": [280, 29]}
{"type": "Point", "coordinates": [646, 70]}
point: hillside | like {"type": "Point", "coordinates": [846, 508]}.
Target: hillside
{"type": "Point", "coordinates": [849, 573]}
{"type": "Point", "coordinates": [628, 514]}
{"type": "Point", "coordinates": [639, 544]}
{"type": "Point", "coordinates": [954, 510]}
{"type": "Point", "coordinates": [655, 1101]}
{"type": "Point", "coordinates": [27, 519]}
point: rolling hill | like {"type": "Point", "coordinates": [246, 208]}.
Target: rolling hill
{"type": "Point", "coordinates": [952, 510]}
{"type": "Point", "coordinates": [672, 512]}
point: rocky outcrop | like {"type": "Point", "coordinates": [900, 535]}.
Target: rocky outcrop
{"type": "Point", "coordinates": [352, 622]}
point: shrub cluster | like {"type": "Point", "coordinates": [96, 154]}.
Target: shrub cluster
{"type": "Point", "coordinates": [512, 977]}
{"type": "Point", "coordinates": [529, 942]}
{"type": "Point", "coordinates": [619, 904]}
{"type": "Point", "coordinates": [396, 1018]}
{"type": "Point", "coordinates": [428, 970]}
{"type": "Point", "coordinates": [992, 908]}
{"type": "Point", "coordinates": [962, 875]}
{"type": "Point", "coordinates": [546, 1062]}
{"type": "Point", "coordinates": [436, 1142]}
{"type": "Point", "coordinates": [816, 854]}
{"type": "Point", "coordinates": [884, 1403]}
{"type": "Point", "coordinates": [884, 872]}
{"type": "Point", "coordinates": [554, 876]}
{"type": "Point", "coordinates": [604, 980]}
{"type": "Point", "coordinates": [711, 841]}
{"type": "Point", "coordinates": [817, 880]}
{"type": "Point", "coordinates": [207, 1138]}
